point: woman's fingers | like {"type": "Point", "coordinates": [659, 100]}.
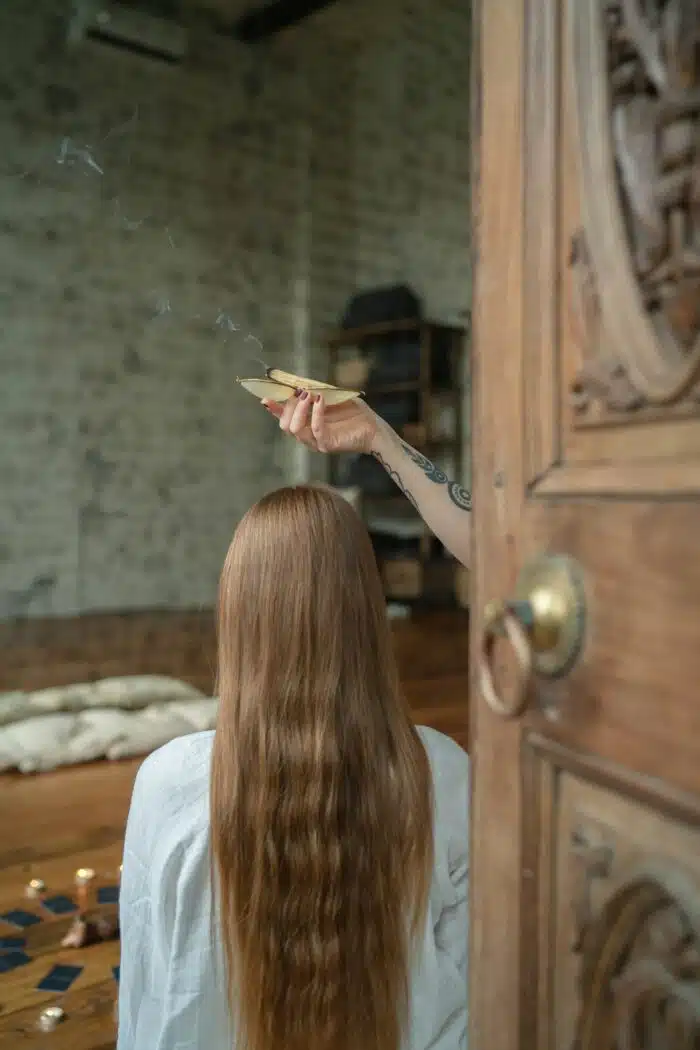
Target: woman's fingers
{"type": "Point", "coordinates": [299, 414]}
{"type": "Point", "coordinates": [300, 417]}
{"type": "Point", "coordinates": [287, 412]}
{"type": "Point", "coordinates": [272, 407]}
{"type": "Point", "coordinates": [318, 424]}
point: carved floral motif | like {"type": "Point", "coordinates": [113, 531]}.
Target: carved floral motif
{"type": "Point", "coordinates": [653, 68]}
{"type": "Point", "coordinates": [639, 952]}
{"type": "Point", "coordinates": [592, 860]}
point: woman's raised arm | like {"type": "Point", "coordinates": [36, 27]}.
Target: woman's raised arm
{"type": "Point", "coordinates": [443, 503]}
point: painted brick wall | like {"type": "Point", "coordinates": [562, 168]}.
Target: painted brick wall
{"type": "Point", "coordinates": [254, 190]}
{"type": "Point", "coordinates": [412, 156]}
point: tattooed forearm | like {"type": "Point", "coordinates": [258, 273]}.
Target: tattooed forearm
{"type": "Point", "coordinates": [431, 472]}
{"type": "Point", "coordinates": [460, 496]}
{"type": "Point", "coordinates": [395, 478]}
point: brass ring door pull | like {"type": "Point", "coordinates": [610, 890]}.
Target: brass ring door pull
{"type": "Point", "coordinates": [503, 620]}
{"type": "Point", "coordinates": [544, 623]}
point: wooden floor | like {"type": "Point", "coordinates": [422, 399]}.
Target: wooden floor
{"type": "Point", "coordinates": [50, 825]}
{"type": "Point", "coordinates": [54, 823]}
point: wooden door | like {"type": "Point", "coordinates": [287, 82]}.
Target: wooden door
{"type": "Point", "coordinates": [586, 807]}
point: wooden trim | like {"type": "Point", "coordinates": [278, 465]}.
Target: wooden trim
{"type": "Point", "coordinates": [659, 795]}
{"type": "Point", "coordinates": [536, 831]}
{"type": "Point", "coordinates": [671, 479]}
{"type": "Point", "coordinates": [546, 886]}
{"type": "Point", "coordinates": [496, 884]}
{"type": "Point", "coordinates": [541, 337]}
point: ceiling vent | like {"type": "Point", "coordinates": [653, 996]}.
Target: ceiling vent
{"type": "Point", "coordinates": [130, 29]}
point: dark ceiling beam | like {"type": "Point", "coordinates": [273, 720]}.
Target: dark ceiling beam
{"type": "Point", "coordinates": [263, 22]}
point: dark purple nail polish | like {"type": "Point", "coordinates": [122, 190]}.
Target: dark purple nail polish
{"type": "Point", "coordinates": [304, 395]}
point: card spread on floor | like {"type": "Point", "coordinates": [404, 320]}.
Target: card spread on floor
{"type": "Point", "coordinates": [108, 895]}
{"type": "Point", "coordinates": [12, 960]}
{"type": "Point", "coordinates": [60, 905]}
{"type": "Point", "coordinates": [20, 918]}
{"type": "Point", "coordinates": [8, 944]}
{"type": "Point", "coordinates": [59, 978]}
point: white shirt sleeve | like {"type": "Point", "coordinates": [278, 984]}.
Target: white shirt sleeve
{"type": "Point", "coordinates": [135, 925]}
{"type": "Point", "coordinates": [440, 993]}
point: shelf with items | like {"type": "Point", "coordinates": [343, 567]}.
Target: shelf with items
{"type": "Point", "coordinates": [411, 374]}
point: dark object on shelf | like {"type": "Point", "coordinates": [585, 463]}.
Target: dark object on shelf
{"type": "Point", "coordinates": [261, 23]}
{"type": "Point", "coordinates": [396, 409]}
{"type": "Point", "coordinates": [397, 358]}
{"type": "Point", "coordinates": [379, 305]}
{"type": "Point", "coordinates": [443, 364]}
{"type": "Point", "coordinates": [392, 548]}
{"type": "Point", "coordinates": [394, 359]}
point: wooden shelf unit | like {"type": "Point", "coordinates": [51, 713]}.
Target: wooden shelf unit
{"type": "Point", "coordinates": [418, 570]}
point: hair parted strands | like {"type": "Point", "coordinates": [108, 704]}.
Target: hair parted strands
{"type": "Point", "coordinates": [321, 800]}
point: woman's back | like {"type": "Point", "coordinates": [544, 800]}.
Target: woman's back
{"type": "Point", "coordinates": [173, 984]}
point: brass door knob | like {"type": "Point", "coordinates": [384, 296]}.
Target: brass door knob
{"type": "Point", "coordinates": [544, 623]}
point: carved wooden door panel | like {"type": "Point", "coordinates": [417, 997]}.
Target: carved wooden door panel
{"type": "Point", "coordinates": [585, 735]}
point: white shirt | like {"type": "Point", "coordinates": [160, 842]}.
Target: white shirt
{"type": "Point", "coordinates": [171, 991]}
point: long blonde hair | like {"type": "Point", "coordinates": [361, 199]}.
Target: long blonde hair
{"type": "Point", "coordinates": [321, 797]}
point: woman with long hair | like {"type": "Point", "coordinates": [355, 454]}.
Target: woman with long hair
{"type": "Point", "coordinates": [298, 880]}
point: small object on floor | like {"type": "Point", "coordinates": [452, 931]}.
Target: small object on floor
{"type": "Point", "coordinates": [84, 876]}
{"type": "Point", "coordinates": [59, 978]}
{"type": "Point", "coordinates": [20, 918]}
{"type": "Point", "coordinates": [77, 936]}
{"type": "Point", "coordinates": [107, 929]}
{"type": "Point", "coordinates": [60, 905]}
{"type": "Point", "coordinates": [84, 932]}
{"type": "Point", "coordinates": [50, 1018]}
{"type": "Point", "coordinates": [8, 944]}
{"type": "Point", "coordinates": [108, 895]}
{"type": "Point", "coordinates": [35, 888]}
{"type": "Point", "coordinates": [11, 960]}
{"type": "Point", "coordinates": [115, 971]}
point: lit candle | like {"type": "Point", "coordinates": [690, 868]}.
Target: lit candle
{"type": "Point", "coordinates": [50, 1018]}
{"type": "Point", "coordinates": [35, 887]}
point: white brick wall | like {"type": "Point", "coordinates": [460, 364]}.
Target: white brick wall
{"type": "Point", "coordinates": [286, 179]}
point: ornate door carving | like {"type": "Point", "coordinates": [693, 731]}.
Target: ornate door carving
{"type": "Point", "coordinates": [636, 82]}
{"type": "Point", "coordinates": [586, 840]}
{"type": "Point", "coordinates": [634, 977]}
